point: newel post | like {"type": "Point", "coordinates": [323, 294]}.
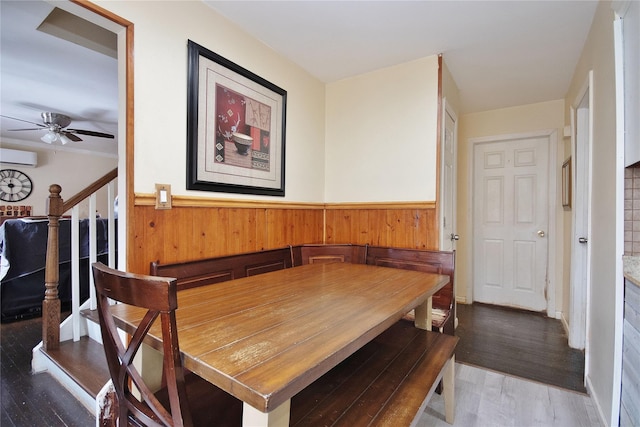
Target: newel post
{"type": "Point", "coordinates": [51, 303]}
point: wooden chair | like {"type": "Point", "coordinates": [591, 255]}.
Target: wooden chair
{"type": "Point", "coordinates": [186, 399]}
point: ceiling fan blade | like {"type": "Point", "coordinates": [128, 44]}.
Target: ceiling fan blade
{"type": "Point", "coordinates": [71, 136]}
{"type": "Point", "coordinates": [26, 121]}
{"type": "Point", "coordinates": [25, 129]}
{"type": "Point", "coordinates": [91, 133]}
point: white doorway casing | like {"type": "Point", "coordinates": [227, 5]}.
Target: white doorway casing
{"type": "Point", "coordinates": [114, 26]}
{"type": "Point", "coordinates": [539, 234]}
{"type": "Point", "coordinates": [448, 173]}
{"type": "Point", "coordinates": [580, 273]}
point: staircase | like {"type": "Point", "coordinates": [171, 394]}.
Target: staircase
{"type": "Point", "coordinates": [71, 351]}
{"type": "Point", "coordinates": [80, 366]}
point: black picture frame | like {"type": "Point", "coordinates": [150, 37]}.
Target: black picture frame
{"type": "Point", "coordinates": [236, 126]}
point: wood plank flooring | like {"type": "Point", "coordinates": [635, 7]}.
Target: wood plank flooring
{"type": "Point", "coordinates": [32, 400]}
{"type": "Point", "coordinates": [484, 397]}
{"type": "Point", "coordinates": [520, 343]}
{"type": "Point", "coordinates": [490, 399]}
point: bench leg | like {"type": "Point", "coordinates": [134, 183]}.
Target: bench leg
{"type": "Point", "coordinates": [448, 380]}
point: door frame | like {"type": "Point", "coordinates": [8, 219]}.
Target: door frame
{"type": "Point", "coordinates": [124, 29]}
{"type": "Point", "coordinates": [447, 108]}
{"type": "Point", "coordinates": [579, 303]}
{"type": "Point", "coordinates": [552, 191]}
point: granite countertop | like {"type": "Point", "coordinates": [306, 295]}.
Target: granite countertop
{"type": "Point", "coordinates": [631, 265]}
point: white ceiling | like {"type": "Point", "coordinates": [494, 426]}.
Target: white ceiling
{"type": "Point", "coordinates": [500, 53]}
{"type": "Point", "coordinates": [40, 72]}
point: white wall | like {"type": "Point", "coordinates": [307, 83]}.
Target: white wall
{"type": "Point", "coordinates": [72, 171]}
{"type": "Point", "coordinates": [161, 33]}
{"type": "Point", "coordinates": [597, 55]}
{"type": "Point", "coordinates": [381, 135]}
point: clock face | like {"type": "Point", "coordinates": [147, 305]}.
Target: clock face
{"type": "Point", "coordinates": [14, 185]}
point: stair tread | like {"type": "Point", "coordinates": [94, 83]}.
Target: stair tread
{"type": "Point", "coordinates": [84, 361]}
{"type": "Point", "coordinates": [91, 315]}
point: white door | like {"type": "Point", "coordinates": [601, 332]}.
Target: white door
{"type": "Point", "coordinates": [510, 217]}
{"type": "Point", "coordinates": [448, 180]}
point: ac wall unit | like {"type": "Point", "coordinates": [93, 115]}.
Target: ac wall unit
{"type": "Point", "coordinates": [18, 157]}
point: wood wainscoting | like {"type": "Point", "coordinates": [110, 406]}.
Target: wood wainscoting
{"type": "Point", "coordinates": [399, 225]}
{"type": "Point", "coordinates": [196, 228]}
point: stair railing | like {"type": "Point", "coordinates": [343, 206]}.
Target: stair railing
{"type": "Point", "coordinates": [56, 207]}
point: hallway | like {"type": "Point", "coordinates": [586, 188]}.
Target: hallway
{"type": "Point", "coordinates": [520, 343]}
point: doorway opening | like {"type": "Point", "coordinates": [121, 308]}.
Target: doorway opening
{"type": "Point", "coordinates": [513, 220]}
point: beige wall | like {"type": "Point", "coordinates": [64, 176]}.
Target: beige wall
{"type": "Point", "coordinates": [161, 34]}
{"type": "Point", "coordinates": [598, 56]}
{"type": "Point", "coordinates": [508, 121]}
{"type": "Point", "coordinates": [63, 168]}
{"type": "Point", "coordinates": [372, 140]}
{"type": "Point", "coordinates": [381, 135]}
{"type": "Point", "coordinates": [450, 90]}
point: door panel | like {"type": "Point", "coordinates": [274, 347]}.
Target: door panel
{"type": "Point", "coordinates": [510, 222]}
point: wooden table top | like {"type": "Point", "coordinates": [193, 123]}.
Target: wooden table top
{"type": "Point", "coordinates": [264, 338]}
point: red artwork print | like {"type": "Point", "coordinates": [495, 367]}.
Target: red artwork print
{"type": "Point", "coordinates": [230, 112]}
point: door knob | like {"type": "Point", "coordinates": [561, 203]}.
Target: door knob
{"type": "Point", "coordinates": [582, 240]}
{"type": "Point", "coordinates": [455, 237]}
{"type": "Point", "coordinates": [540, 233]}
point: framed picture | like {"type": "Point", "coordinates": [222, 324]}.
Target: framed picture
{"type": "Point", "coordinates": [566, 183]}
{"type": "Point", "coordinates": [235, 127]}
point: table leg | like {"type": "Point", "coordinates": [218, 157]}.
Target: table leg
{"type": "Point", "coordinates": [423, 315]}
{"type": "Point", "coordinates": [278, 417]}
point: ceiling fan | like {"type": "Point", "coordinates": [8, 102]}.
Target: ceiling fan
{"type": "Point", "coordinates": [55, 124]}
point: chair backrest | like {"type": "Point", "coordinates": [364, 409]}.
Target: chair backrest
{"type": "Point", "coordinates": [157, 295]}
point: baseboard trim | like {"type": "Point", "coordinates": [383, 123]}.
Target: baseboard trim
{"type": "Point", "coordinates": [596, 401]}
{"type": "Point", "coordinates": [565, 324]}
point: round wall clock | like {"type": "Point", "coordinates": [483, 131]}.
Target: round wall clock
{"type": "Point", "coordinates": [14, 185]}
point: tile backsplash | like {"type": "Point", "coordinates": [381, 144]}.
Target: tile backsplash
{"type": "Point", "coordinates": [632, 211]}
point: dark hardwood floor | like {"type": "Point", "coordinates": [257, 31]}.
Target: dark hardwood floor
{"type": "Point", "coordinates": [521, 344]}
{"type": "Point", "coordinates": [32, 400]}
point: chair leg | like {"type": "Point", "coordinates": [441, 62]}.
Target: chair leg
{"type": "Point", "coordinates": [107, 407]}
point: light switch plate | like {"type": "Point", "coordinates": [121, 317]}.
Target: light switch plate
{"type": "Point", "coordinates": [163, 196]}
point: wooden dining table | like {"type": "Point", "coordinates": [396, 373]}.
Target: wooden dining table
{"type": "Point", "coordinates": [266, 337]}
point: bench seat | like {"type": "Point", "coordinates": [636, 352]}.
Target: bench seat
{"type": "Point", "coordinates": [388, 382]}
{"type": "Point", "coordinates": [219, 269]}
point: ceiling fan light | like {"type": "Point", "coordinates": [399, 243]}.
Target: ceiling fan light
{"type": "Point", "coordinates": [64, 139]}
{"type": "Point", "coordinates": [49, 137]}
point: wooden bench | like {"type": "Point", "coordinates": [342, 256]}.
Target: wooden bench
{"type": "Point", "coordinates": [439, 262]}
{"type": "Point", "coordinates": [388, 382]}
{"type": "Point", "coordinates": [202, 272]}
{"type": "Point", "coordinates": [219, 269]}
{"type": "Point", "coordinates": [310, 254]}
